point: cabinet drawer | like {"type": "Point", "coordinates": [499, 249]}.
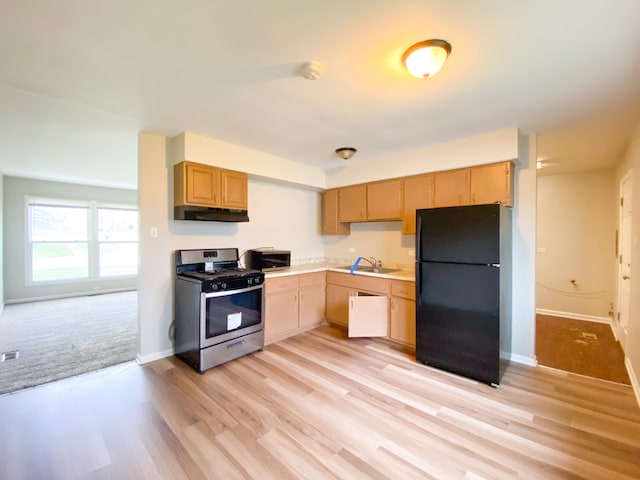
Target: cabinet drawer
{"type": "Point", "coordinates": [359, 282]}
{"type": "Point", "coordinates": [404, 289]}
{"type": "Point", "coordinates": [281, 284]}
{"type": "Point", "coordinates": [311, 279]}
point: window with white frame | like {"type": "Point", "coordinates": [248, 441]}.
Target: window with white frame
{"type": "Point", "coordinates": [70, 240]}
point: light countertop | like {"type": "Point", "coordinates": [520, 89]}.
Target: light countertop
{"type": "Point", "coordinates": [406, 275]}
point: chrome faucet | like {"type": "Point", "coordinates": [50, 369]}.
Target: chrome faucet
{"type": "Point", "coordinates": [372, 261]}
{"type": "Point", "coordinates": [375, 264]}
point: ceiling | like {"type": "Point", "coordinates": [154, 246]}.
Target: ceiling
{"type": "Point", "coordinates": [79, 79]}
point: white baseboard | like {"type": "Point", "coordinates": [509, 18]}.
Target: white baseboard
{"type": "Point", "coordinates": [531, 361]}
{"type": "Point", "coordinates": [574, 316]}
{"type": "Point", "coordinates": [634, 379]}
{"type": "Point", "coordinates": [142, 359]}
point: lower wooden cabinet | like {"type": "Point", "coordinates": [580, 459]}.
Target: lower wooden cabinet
{"type": "Point", "coordinates": [338, 304]}
{"type": "Point", "coordinates": [293, 303]}
{"type": "Point", "coordinates": [361, 303]}
{"type": "Point", "coordinates": [402, 317]}
{"type": "Point", "coordinates": [366, 306]}
{"type": "Point", "coordinates": [311, 299]}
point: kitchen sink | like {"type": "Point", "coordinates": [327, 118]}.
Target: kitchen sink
{"type": "Point", "coordinates": [369, 269]}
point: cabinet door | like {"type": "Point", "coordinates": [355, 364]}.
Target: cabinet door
{"type": "Point", "coordinates": [201, 185]}
{"type": "Point", "coordinates": [330, 223]}
{"type": "Point", "coordinates": [402, 322]}
{"type": "Point", "coordinates": [338, 304]}
{"type": "Point", "coordinates": [312, 306]}
{"type": "Point", "coordinates": [451, 188]}
{"type": "Point", "coordinates": [352, 203]}
{"type": "Point", "coordinates": [492, 183]}
{"type": "Point", "coordinates": [384, 200]}
{"type": "Point", "coordinates": [281, 314]}
{"type": "Point", "coordinates": [368, 315]}
{"type": "Point", "coordinates": [417, 193]}
{"type": "Point", "coordinates": [234, 189]}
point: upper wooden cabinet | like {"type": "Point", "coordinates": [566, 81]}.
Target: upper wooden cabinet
{"type": "Point", "coordinates": [399, 198]}
{"type": "Point", "coordinates": [418, 193]}
{"type": "Point", "coordinates": [451, 188]}
{"type": "Point", "coordinates": [492, 183]}
{"type": "Point", "coordinates": [207, 186]}
{"type": "Point", "coordinates": [384, 200]}
{"type": "Point", "coordinates": [352, 203]}
{"type": "Point", "coordinates": [330, 223]}
{"type": "Point", "coordinates": [233, 187]}
{"type": "Point", "coordinates": [367, 202]}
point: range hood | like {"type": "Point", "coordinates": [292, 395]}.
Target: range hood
{"type": "Point", "coordinates": [208, 214]}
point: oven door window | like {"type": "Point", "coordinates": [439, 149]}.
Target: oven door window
{"type": "Point", "coordinates": [226, 312]}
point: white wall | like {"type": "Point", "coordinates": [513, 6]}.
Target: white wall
{"type": "Point", "coordinates": [477, 150]}
{"type": "Point", "coordinates": [631, 160]}
{"type": "Point", "coordinates": [294, 222]}
{"type": "Point", "coordinates": [1, 242]}
{"type": "Point", "coordinates": [283, 216]}
{"type": "Point", "coordinates": [14, 251]}
{"type": "Point", "coordinates": [523, 333]}
{"type": "Point", "coordinates": [576, 222]}
{"type": "Point", "coordinates": [382, 240]}
{"type": "Point", "coordinates": [200, 149]}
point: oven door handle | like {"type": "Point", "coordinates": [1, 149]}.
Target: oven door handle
{"type": "Point", "coordinates": [231, 292]}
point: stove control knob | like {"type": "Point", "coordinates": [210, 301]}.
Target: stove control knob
{"type": "Point", "coordinates": [223, 286]}
{"type": "Point", "coordinates": [214, 286]}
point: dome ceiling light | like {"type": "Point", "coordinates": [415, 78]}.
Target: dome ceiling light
{"type": "Point", "coordinates": [425, 59]}
{"type": "Point", "coordinates": [346, 153]}
{"type": "Point", "coordinates": [311, 70]}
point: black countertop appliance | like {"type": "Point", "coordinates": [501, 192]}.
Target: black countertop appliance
{"type": "Point", "coordinates": [463, 290]}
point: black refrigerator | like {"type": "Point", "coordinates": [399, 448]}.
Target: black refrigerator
{"type": "Point", "coordinates": [463, 290]}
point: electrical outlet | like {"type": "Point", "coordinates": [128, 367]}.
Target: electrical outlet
{"type": "Point", "coordinates": [352, 250]}
{"type": "Point", "coordinates": [412, 253]}
{"type": "Point", "coordinates": [153, 231]}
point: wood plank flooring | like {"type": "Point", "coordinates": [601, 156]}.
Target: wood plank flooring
{"type": "Point", "coordinates": [319, 406]}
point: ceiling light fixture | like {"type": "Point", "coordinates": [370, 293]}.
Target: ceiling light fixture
{"type": "Point", "coordinates": [425, 59]}
{"type": "Point", "coordinates": [346, 153]}
{"type": "Point", "coordinates": [311, 70]}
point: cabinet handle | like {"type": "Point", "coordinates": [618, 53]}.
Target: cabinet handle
{"type": "Point", "coordinates": [473, 198]}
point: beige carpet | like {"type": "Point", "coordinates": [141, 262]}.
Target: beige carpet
{"type": "Point", "coordinates": [61, 338]}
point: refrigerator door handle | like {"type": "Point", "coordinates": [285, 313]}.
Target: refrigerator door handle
{"type": "Point", "coordinates": [419, 238]}
{"type": "Point", "coordinates": [418, 284]}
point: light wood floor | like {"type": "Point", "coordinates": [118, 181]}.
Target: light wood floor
{"type": "Point", "coordinates": [319, 406]}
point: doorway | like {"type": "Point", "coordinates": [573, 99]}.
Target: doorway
{"type": "Point", "coordinates": [621, 320]}
{"type": "Point", "coordinates": [576, 269]}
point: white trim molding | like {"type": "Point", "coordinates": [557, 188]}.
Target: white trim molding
{"type": "Point", "coordinates": [531, 361]}
{"type": "Point", "coordinates": [635, 384]}
{"type": "Point", "coordinates": [574, 316]}
{"type": "Point", "coordinates": [142, 359]}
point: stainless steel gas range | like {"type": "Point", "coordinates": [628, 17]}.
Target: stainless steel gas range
{"type": "Point", "coordinates": [219, 307]}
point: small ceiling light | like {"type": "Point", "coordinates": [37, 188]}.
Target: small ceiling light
{"type": "Point", "coordinates": [425, 59]}
{"type": "Point", "coordinates": [346, 153]}
{"type": "Point", "coordinates": [311, 70]}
